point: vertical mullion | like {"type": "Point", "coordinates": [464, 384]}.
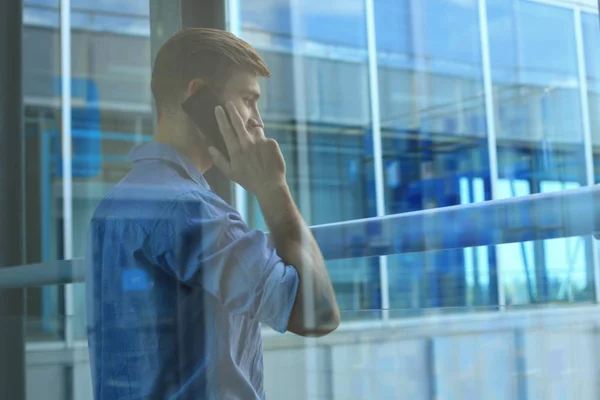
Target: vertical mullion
{"type": "Point", "coordinates": [587, 134]}
{"type": "Point", "coordinates": [490, 124]}
{"type": "Point", "coordinates": [377, 152]}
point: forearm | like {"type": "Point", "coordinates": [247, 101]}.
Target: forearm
{"type": "Point", "coordinates": [297, 247]}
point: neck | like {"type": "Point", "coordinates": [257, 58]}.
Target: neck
{"type": "Point", "coordinates": [181, 135]}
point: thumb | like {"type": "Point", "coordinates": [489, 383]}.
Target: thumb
{"type": "Point", "coordinates": [219, 160]}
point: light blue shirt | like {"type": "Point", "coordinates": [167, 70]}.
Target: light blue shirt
{"type": "Point", "coordinates": [177, 286]}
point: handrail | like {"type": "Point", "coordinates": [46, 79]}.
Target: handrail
{"type": "Point", "coordinates": [58, 272]}
{"type": "Point", "coordinates": [534, 217]}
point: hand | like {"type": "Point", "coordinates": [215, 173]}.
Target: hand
{"type": "Point", "coordinates": [256, 163]}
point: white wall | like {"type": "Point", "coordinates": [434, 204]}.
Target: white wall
{"type": "Point", "coordinates": [545, 354]}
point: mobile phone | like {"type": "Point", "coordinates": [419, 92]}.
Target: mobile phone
{"type": "Point", "coordinates": [200, 107]}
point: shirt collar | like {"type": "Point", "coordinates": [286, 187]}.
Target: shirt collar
{"type": "Point", "coordinates": [162, 151]}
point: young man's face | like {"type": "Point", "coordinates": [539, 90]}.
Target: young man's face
{"type": "Point", "coordinates": [243, 91]}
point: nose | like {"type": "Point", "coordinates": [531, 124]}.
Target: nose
{"type": "Point", "coordinates": [256, 121]}
{"type": "Point", "coordinates": [259, 123]}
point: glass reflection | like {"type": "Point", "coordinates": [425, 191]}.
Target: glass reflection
{"type": "Point", "coordinates": [317, 53]}
{"type": "Point", "coordinates": [434, 141]}
{"type": "Point", "coordinates": [539, 142]}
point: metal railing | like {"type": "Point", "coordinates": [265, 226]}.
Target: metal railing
{"type": "Point", "coordinates": [535, 217]}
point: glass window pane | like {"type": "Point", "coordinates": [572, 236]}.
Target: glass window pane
{"type": "Point", "coordinates": [591, 45]}
{"type": "Point", "coordinates": [434, 140]}
{"type": "Point", "coordinates": [41, 55]}
{"type": "Point", "coordinates": [337, 23]}
{"type": "Point", "coordinates": [111, 111]}
{"type": "Point", "coordinates": [317, 106]}
{"type": "Point", "coordinates": [539, 138]}
{"type": "Point", "coordinates": [317, 53]}
{"type": "Point", "coordinates": [131, 7]}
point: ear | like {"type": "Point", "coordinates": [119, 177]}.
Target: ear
{"type": "Point", "coordinates": [194, 85]}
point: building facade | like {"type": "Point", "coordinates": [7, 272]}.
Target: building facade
{"type": "Point", "coordinates": [380, 107]}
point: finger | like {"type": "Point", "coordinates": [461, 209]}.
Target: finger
{"type": "Point", "coordinates": [220, 161]}
{"type": "Point", "coordinates": [260, 133]}
{"type": "Point", "coordinates": [238, 124]}
{"type": "Point", "coordinates": [229, 136]}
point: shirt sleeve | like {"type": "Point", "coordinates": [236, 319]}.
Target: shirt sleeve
{"type": "Point", "coordinates": [204, 242]}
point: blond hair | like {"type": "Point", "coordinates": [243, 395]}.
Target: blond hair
{"type": "Point", "coordinates": [209, 54]}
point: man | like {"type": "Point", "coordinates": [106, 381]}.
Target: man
{"type": "Point", "coordinates": [177, 284]}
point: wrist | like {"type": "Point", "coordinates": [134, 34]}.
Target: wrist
{"type": "Point", "coordinates": [280, 214]}
{"type": "Point", "coordinates": [272, 190]}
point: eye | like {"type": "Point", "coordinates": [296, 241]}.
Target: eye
{"type": "Point", "coordinates": [249, 101]}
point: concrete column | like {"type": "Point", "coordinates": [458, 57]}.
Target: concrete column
{"type": "Point", "coordinates": [12, 200]}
